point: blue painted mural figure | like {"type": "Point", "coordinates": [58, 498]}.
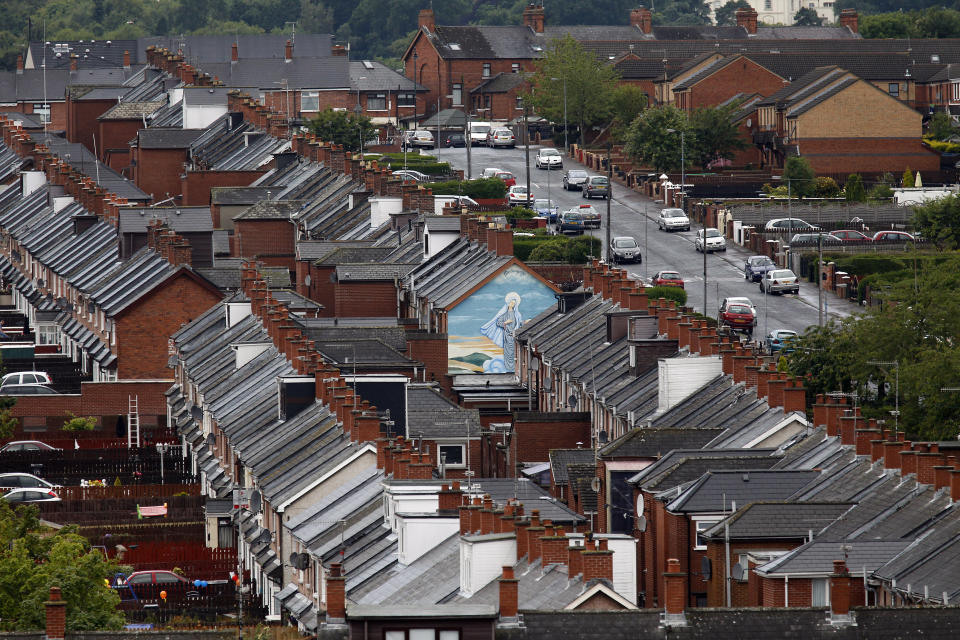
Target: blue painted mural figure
{"type": "Point", "coordinates": [501, 329]}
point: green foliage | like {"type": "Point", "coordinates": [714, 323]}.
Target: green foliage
{"type": "Point", "coordinates": [33, 560]}
{"type": "Point", "coordinates": [880, 191]}
{"type": "Point", "coordinates": [726, 16]}
{"type": "Point", "coordinates": [825, 187]}
{"type": "Point", "coordinates": [116, 482]}
{"type": "Point", "coordinates": [908, 182]}
{"type": "Point", "coordinates": [807, 17]}
{"type": "Point", "coordinates": [76, 423]}
{"type": "Point", "coordinates": [929, 22]}
{"type": "Point", "coordinates": [342, 127]}
{"type": "Point", "coordinates": [854, 190]}
{"type": "Point", "coordinates": [627, 102]}
{"type": "Point", "coordinates": [481, 188]}
{"type": "Point", "coordinates": [715, 136]}
{"type": "Point", "coordinates": [798, 174]}
{"type": "Point", "coordinates": [939, 222]}
{"type": "Point", "coordinates": [670, 293]}
{"type": "Point", "coordinates": [422, 163]}
{"type": "Point", "coordinates": [683, 12]}
{"type": "Point", "coordinates": [588, 81]}
{"type": "Point", "coordinates": [548, 252]}
{"type": "Point", "coordinates": [544, 248]}
{"type": "Point", "coordinates": [8, 424]}
{"type": "Point", "coordinates": [650, 141]}
{"type": "Point", "coordinates": [942, 147]}
{"type": "Point", "coordinates": [941, 126]}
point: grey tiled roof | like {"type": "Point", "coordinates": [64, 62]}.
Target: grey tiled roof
{"type": "Point", "coordinates": [434, 416]}
{"type": "Point", "coordinates": [717, 490]}
{"type": "Point", "coordinates": [581, 481]}
{"type": "Point", "coordinates": [158, 138]}
{"type": "Point", "coordinates": [810, 103]}
{"type": "Point", "coordinates": [218, 48]}
{"type": "Point", "coordinates": [679, 467]}
{"type": "Point", "coordinates": [299, 73]}
{"type": "Point", "coordinates": [341, 253]}
{"type": "Point", "coordinates": [442, 285]}
{"type": "Point", "coordinates": [131, 110]}
{"type": "Point", "coordinates": [560, 459]}
{"type": "Point", "coordinates": [780, 520]}
{"type": "Point", "coordinates": [385, 330]}
{"type": "Point", "coordinates": [370, 75]}
{"type": "Point", "coordinates": [316, 249]}
{"type": "Point", "coordinates": [501, 83]}
{"type": "Point", "coordinates": [271, 210]}
{"type": "Point", "coordinates": [232, 196]}
{"type": "Point", "coordinates": [372, 272]}
{"type": "Point", "coordinates": [817, 557]}
{"type": "Point", "coordinates": [180, 219]}
{"type": "Point", "coordinates": [442, 223]}
{"type": "Point", "coordinates": [931, 562]}
{"type": "Point", "coordinates": [656, 441]}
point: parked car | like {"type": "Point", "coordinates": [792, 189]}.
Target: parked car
{"type": "Point", "coordinates": [26, 377]}
{"type": "Point", "coordinates": [666, 279]}
{"type": "Point", "coordinates": [508, 178]}
{"type": "Point", "coordinates": [31, 495]}
{"type": "Point", "coordinates": [517, 195]}
{"type": "Point", "coordinates": [571, 221]}
{"type": "Point", "coordinates": [455, 140]}
{"type": "Point", "coordinates": [574, 179]}
{"type": "Point", "coordinates": [155, 577]}
{"type": "Point", "coordinates": [546, 208]}
{"type": "Point", "coordinates": [490, 172]}
{"type": "Point", "coordinates": [738, 313]}
{"type": "Point", "coordinates": [549, 158]}
{"type": "Point", "coordinates": [814, 238]}
{"type": "Point", "coordinates": [893, 236]}
{"type": "Point", "coordinates": [27, 390]}
{"type": "Point", "coordinates": [501, 138]}
{"type": "Point", "coordinates": [850, 236]}
{"type": "Point", "coordinates": [756, 266]}
{"type": "Point", "coordinates": [478, 133]}
{"type": "Point", "coordinates": [26, 445]}
{"type": "Point", "coordinates": [422, 138]}
{"type": "Point", "coordinates": [591, 216]}
{"type": "Point", "coordinates": [596, 186]}
{"type": "Point", "coordinates": [673, 220]}
{"type": "Point", "coordinates": [779, 340]}
{"type": "Point", "coordinates": [10, 481]}
{"type": "Point", "coordinates": [780, 281]}
{"type": "Point", "coordinates": [714, 242]}
{"type": "Point", "coordinates": [410, 174]}
{"type": "Point", "coordinates": [625, 249]}
{"type": "Point", "coordinates": [789, 225]}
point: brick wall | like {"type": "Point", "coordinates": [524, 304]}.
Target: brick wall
{"type": "Point", "coordinates": [157, 172]}
{"type": "Point", "coordinates": [431, 350]}
{"type": "Point", "coordinates": [82, 119]}
{"type": "Point", "coordinates": [558, 273]}
{"type": "Point", "coordinates": [366, 299]}
{"type": "Point", "coordinates": [113, 142]}
{"type": "Point", "coordinates": [196, 187]}
{"type": "Point", "coordinates": [741, 76]}
{"type": "Point", "coordinates": [537, 432]}
{"type": "Point", "coordinates": [740, 592]}
{"type": "Point", "coordinates": [842, 156]}
{"type": "Point", "coordinates": [143, 331]}
{"type": "Point", "coordinates": [256, 238]}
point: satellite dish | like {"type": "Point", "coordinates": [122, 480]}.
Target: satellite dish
{"type": "Point", "coordinates": [642, 523]}
{"type": "Point", "coordinates": [572, 401]}
{"type": "Point", "coordinates": [705, 568]}
{"type": "Point", "coordinates": [640, 504]}
{"type": "Point", "coordinates": [595, 485]}
{"type": "Point", "coordinates": [304, 562]}
{"type": "Point", "coordinates": [255, 502]}
{"type": "Point", "coordinates": [294, 558]}
{"type": "Point", "coordinates": [737, 572]}
{"type": "Point", "coordinates": [263, 538]}
{"type": "Point", "coordinates": [306, 280]}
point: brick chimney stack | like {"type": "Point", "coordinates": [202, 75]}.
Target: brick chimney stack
{"type": "Point", "coordinates": [839, 592]}
{"type": "Point", "coordinates": [675, 593]}
{"type": "Point", "coordinates": [850, 19]}
{"type": "Point", "coordinates": [509, 594]}
{"type": "Point", "coordinates": [534, 17]}
{"type": "Point", "coordinates": [56, 610]}
{"type": "Point", "coordinates": [234, 53]}
{"type": "Point", "coordinates": [336, 594]}
{"type": "Point", "coordinates": [126, 59]}
{"type": "Point", "coordinates": [747, 18]}
{"type": "Point", "coordinates": [288, 51]}
{"type": "Point", "coordinates": [426, 20]}
{"type": "Point", "coordinates": [642, 18]}
{"type": "Point", "coordinates": [20, 65]}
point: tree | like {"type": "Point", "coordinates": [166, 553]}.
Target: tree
{"type": "Point", "coordinates": [854, 190]}
{"type": "Point", "coordinates": [807, 17]}
{"type": "Point", "coordinates": [825, 187]}
{"type": "Point", "coordinates": [342, 127]}
{"type": "Point", "coordinates": [716, 136]}
{"type": "Point", "coordinates": [684, 12]}
{"type": "Point", "coordinates": [939, 222]}
{"type": "Point", "coordinates": [726, 16]}
{"type": "Point", "coordinates": [941, 126]}
{"type": "Point", "coordinates": [908, 178]}
{"type": "Point", "coordinates": [626, 103]}
{"type": "Point", "coordinates": [76, 423]}
{"type": "Point", "coordinates": [589, 83]}
{"type": "Point", "coordinates": [315, 17]}
{"type": "Point", "coordinates": [650, 140]}
{"type": "Point", "coordinates": [33, 559]}
{"type": "Point", "coordinates": [799, 175]}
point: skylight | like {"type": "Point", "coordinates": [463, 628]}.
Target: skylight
{"type": "Point", "coordinates": [455, 46]}
{"type": "Point", "coordinates": [367, 64]}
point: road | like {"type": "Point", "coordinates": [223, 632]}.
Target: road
{"type": "Point", "coordinates": [633, 214]}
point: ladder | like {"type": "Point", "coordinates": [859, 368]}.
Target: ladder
{"type": "Point", "coordinates": [133, 422]}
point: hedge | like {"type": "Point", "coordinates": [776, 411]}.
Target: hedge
{"type": "Point", "coordinates": [574, 250]}
{"type": "Point", "coordinates": [482, 188]}
{"type": "Point", "coordinates": [670, 293]}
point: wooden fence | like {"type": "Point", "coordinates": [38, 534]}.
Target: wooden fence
{"type": "Point", "coordinates": [129, 534]}
{"type": "Point", "coordinates": [131, 466]}
{"type": "Point", "coordinates": [110, 511]}
{"type": "Point", "coordinates": [195, 560]}
{"type": "Point", "coordinates": [143, 492]}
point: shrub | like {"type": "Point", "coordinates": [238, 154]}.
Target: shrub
{"type": "Point", "coordinates": [544, 248]}
{"type": "Point", "coordinates": [548, 252]}
{"type": "Point", "coordinates": [76, 423]}
{"type": "Point", "coordinates": [854, 190]}
{"type": "Point", "coordinates": [825, 187]}
{"type": "Point", "coordinates": [880, 191]}
{"type": "Point", "coordinates": [580, 248]}
{"type": "Point", "coordinates": [482, 188]}
{"type": "Point", "coordinates": [670, 293]}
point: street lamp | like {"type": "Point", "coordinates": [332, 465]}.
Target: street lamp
{"type": "Point", "coordinates": [683, 203]}
{"type": "Point", "coordinates": [563, 79]}
{"type": "Point", "coordinates": [896, 393]}
{"type": "Point", "coordinates": [359, 111]}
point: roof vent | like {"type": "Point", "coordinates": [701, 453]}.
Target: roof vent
{"type": "Point", "coordinates": [935, 58]}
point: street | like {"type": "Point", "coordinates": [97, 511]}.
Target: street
{"type": "Point", "coordinates": [633, 214]}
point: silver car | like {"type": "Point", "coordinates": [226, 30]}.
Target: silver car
{"type": "Point", "coordinates": [714, 240]}
{"type": "Point", "coordinates": [780, 281]}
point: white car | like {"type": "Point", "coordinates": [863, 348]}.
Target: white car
{"type": "Point", "coordinates": [673, 220]}
{"type": "Point", "coordinates": [410, 174]}
{"type": "Point", "coordinates": [26, 377]}
{"type": "Point", "coordinates": [31, 495]}
{"type": "Point", "coordinates": [549, 159]}
{"type": "Point", "coordinates": [715, 241]}
{"type": "Point", "coordinates": [501, 138]}
{"type": "Point", "coordinates": [780, 281]}
{"type": "Point", "coordinates": [422, 138]}
{"type": "Point", "coordinates": [490, 172]}
{"type": "Point", "coordinates": [478, 132]}
{"type": "Point", "coordinates": [518, 196]}
{"type": "Point", "coordinates": [10, 481]}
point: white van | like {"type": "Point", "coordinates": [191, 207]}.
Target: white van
{"type": "Point", "coordinates": [478, 132]}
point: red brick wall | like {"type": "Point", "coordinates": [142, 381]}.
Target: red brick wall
{"type": "Point", "coordinates": [196, 187]}
{"type": "Point", "coordinates": [740, 76]}
{"type": "Point", "coordinates": [431, 350]}
{"type": "Point", "coordinates": [322, 289]}
{"type": "Point", "coordinates": [58, 112]}
{"type": "Point", "coordinates": [115, 136]}
{"type": "Point", "coordinates": [143, 331]}
{"type": "Point", "coordinates": [536, 433]}
{"type": "Point", "coordinates": [740, 591]}
{"type": "Point", "coordinates": [158, 172]}
{"type": "Point", "coordinates": [255, 238]}
{"type": "Point", "coordinates": [82, 120]}
{"type": "Point", "coordinates": [366, 299]}
{"type": "Point", "coordinates": [868, 155]}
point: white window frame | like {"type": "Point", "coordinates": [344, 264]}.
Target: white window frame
{"type": "Point", "coordinates": [310, 101]}
{"type": "Point", "coordinates": [463, 455]}
{"type": "Point", "coordinates": [487, 70]}
{"type": "Point", "coordinates": [701, 524]}
{"type": "Point", "coordinates": [373, 98]}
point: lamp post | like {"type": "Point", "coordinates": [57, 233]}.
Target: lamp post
{"type": "Point", "coordinates": [526, 148]}
{"type": "Point", "coordinates": [466, 129]}
{"type": "Point", "coordinates": [683, 205]}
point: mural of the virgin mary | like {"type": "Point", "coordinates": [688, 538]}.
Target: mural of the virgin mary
{"type": "Point", "coordinates": [500, 329]}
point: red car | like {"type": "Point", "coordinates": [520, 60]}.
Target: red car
{"type": "Point", "coordinates": [507, 178]}
{"type": "Point", "coordinates": [667, 279]}
{"type": "Point", "coordinates": [850, 236]}
{"type": "Point", "coordinates": [738, 313]}
{"type": "Point", "coordinates": [892, 236]}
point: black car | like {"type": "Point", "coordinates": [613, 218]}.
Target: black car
{"type": "Point", "coordinates": [455, 140]}
{"type": "Point", "coordinates": [756, 266]}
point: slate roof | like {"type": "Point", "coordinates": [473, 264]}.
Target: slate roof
{"type": "Point", "coordinates": [131, 110]}
{"type": "Point", "coordinates": [368, 272]}
{"type": "Point", "coordinates": [657, 441]}
{"type": "Point", "coordinates": [316, 249]}
{"type": "Point", "coordinates": [265, 74]}
{"type": "Point", "coordinates": [172, 138]}
{"type": "Point", "coordinates": [218, 48]}
{"type": "Point", "coordinates": [931, 562]}
{"type": "Point", "coordinates": [370, 75]}
{"type": "Point", "coordinates": [816, 558]}
{"type": "Point", "coordinates": [442, 223]}
{"type": "Point", "coordinates": [271, 210]}
{"type": "Point", "coordinates": [329, 330]}
{"type": "Point", "coordinates": [434, 416]}
{"type": "Point", "coordinates": [717, 489]}
{"type": "Point", "coordinates": [180, 219]}
{"type": "Point", "coordinates": [805, 105]}
{"type": "Point", "coordinates": [501, 83]}
{"type": "Point", "coordinates": [28, 120]}
{"type": "Point", "coordinates": [86, 163]}
{"type": "Point", "coordinates": [779, 520]}
{"type": "Point", "coordinates": [491, 42]}
{"type": "Point", "coordinates": [92, 53]}
{"type": "Point", "coordinates": [443, 285]}
{"type": "Point", "coordinates": [679, 467]}
{"type": "Point", "coordinates": [232, 196]}
{"type": "Point", "coordinates": [366, 351]}
{"type": "Point", "coordinates": [561, 459]}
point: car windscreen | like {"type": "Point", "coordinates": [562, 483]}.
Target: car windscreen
{"type": "Point", "coordinates": [549, 152]}
{"type": "Point", "coordinates": [480, 128]}
{"type": "Point", "coordinates": [571, 216]}
{"type": "Point", "coordinates": [625, 243]}
{"type": "Point", "coordinates": [713, 233]}
{"type": "Point", "coordinates": [782, 273]}
{"type": "Point", "coordinates": [669, 275]}
{"type": "Point", "coordinates": [542, 204]}
{"type": "Point", "coordinates": [577, 174]}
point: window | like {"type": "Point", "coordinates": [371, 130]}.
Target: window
{"type": "Point", "coordinates": [515, 67]}
{"type": "Point", "coordinates": [702, 525]}
{"type": "Point", "coordinates": [422, 634]}
{"type": "Point", "coordinates": [768, 5]}
{"type": "Point", "coordinates": [452, 455]}
{"type": "Point", "coordinates": [486, 70]}
{"type": "Point", "coordinates": [42, 110]}
{"type": "Point", "coordinates": [406, 100]}
{"type": "Point", "coordinates": [376, 102]}
{"type": "Point", "coordinates": [519, 101]}
{"type": "Point", "coordinates": [310, 101]}
{"type": "Point", "coordinates": [893, 89]}
{"type": "Point", "coordinates": [820, 592]}
{"type": "Point", "coordinates": [457, 94]}
{"type": "Point", "coordinates": [47, 334]}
